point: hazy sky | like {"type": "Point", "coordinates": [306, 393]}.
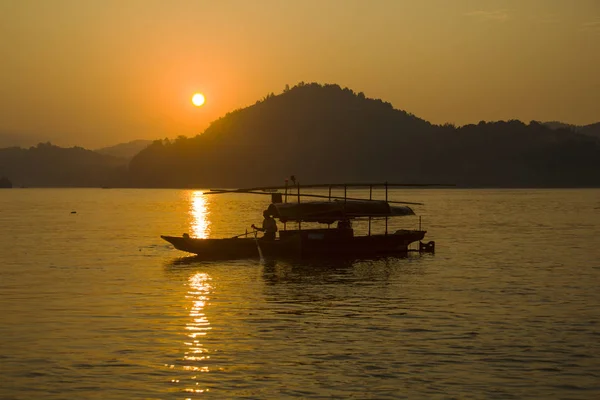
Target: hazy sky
{"type": "Point", "coordinates": [100, 72]}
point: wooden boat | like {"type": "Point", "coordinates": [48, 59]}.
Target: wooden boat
{"type": "Point", "coordinates": [337, 241]}
{"type": "Point", "coordinates": [300, 244]}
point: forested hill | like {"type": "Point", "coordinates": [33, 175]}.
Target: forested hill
{"type": "Point", "coordinates": [590, 130]}
{"type": "Point", "coordinates": [49, 165]}
{"type": "Point", "coordinates": [125, 150]}
{"type": "Point", "coordinates": [323, 133]}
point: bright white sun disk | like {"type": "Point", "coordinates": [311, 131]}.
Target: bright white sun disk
{"type": "Point", "coordinates": [198, 99]}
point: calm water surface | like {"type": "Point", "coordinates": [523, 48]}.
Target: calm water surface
{"type": "Point", "coordinates": [95, 306]}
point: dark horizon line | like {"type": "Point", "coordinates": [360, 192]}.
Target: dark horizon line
{"type": "Point", "coordinates": [454, 187]}
{"type": "Point", "coordinates": [457, 126]}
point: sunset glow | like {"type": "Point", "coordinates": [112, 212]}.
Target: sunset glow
{"type": "Point", "coordinates": [458, 62]}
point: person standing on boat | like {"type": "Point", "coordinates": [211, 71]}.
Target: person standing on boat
{"type": "Point", "coordinates": [269, 226]}
{"type": "Point", "coordinates": [344, 224]}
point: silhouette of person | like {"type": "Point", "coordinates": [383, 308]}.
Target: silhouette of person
{"type": "Point", "coordinates": [269, 226]}
{"type": "Point", "coordinates": [344, 224]}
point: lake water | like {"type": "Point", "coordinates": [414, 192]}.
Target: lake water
{"type": "Point", "coordinates": [94, 305]}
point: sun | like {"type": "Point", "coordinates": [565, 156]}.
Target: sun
{"type": "Point", "coordinates": [198, 99]}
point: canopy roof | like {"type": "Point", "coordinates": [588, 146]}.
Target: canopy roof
{"type": "Point", "coordinates": [327, 212]}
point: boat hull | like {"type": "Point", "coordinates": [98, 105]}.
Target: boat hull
{"type": "Point", "coordinates": [300, 244]}
{"type": "Point", "coordinates": [234, 248]}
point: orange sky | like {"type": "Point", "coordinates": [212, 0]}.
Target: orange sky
{"type": "Point", "coordinates": [100, 72]}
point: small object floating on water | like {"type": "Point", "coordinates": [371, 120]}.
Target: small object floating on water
{"type": "Point", "coordinates": [428, 247]}
{"type": "Point", "coordinates": [73, 212]}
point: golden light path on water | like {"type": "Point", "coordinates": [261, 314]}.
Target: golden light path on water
{"type": "Point", "coordinates": [196, 354]}
{"type": "Point", "coordinates": [200, 225]}
{"type": "Point", "coordinates": [199, 288]}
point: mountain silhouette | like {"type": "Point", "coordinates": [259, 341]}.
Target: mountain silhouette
{"type": "Point", "coordinates": [590, 130]}
{"type": "Point", "coordinates": [323, 133]}
{"type": "Point", "coordinates": [46, 165]}
{"type": "Point", "coordinates": [125, 150]}
{"type": "Point", "coordinates": [19, 139]}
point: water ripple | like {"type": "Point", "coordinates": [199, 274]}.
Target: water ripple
{"type": "Point", "coordinates": [506, 308]}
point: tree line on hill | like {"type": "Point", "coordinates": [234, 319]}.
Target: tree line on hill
{"type": "Point", "coordinates": [46, 165]}
{"type": "Point", "coordinates": [322, 134]}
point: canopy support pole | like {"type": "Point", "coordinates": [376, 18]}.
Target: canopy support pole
{"type": "Point", "coordinates": [370, 198]}
{"type": "Point", "coordinates": [386, 199]}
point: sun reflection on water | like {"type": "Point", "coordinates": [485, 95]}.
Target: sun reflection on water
{"type": "Point", "coordinates": [196, 355]}
{"type": "Point", "coordinates": [200, 225]}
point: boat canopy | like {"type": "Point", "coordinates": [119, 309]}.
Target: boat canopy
{"type": "Point", "coordinates": [327, 212]}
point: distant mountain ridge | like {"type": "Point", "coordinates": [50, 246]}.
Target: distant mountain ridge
{"type": "Point", "coordinates": [590, 130]}
{"type": "Point", "coordinates": [46, 165]}
{"type": "Point", "coordinates": [12, 139]}
{"type": "Point", "coordinates": [125, 150]}
{"type": "Point", "coordinates": [321, 134]}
